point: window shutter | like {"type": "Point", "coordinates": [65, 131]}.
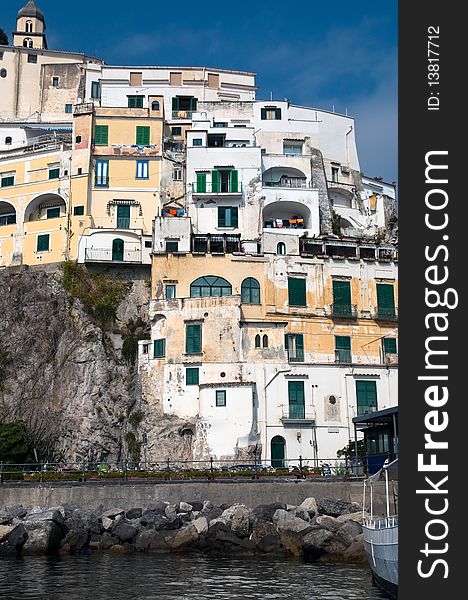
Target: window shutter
{"type": "Point", "coordinates": [297, 291]}
{"type": "Point", "coordinates": [278, 114]}
{"type": "Point", "coordinates": [159, 348]}
{"type": "Point", "coordinates": [234, 179]}
{"type": "Point", "coordinates": [342, 342]}
{"type": "Point", "coordinates": [385, 299]}
{"type": "Point", "coordinates": [101, 135]}
{"type": "Point", "coordinates": [193, 342]}
{"type": "Point", "coordinates": [341, 293]}
{"type": "Point", "coordinates": [215, 181]}
{"type": "Point", "coordinates": [263, 114]}
{"type": "Point", "coordinates": [234, 217]}
{"type": "Point", "coordinates": [192, 376]}
{"type": "Point", "coordinates": [201, 183]}
{"type": "Point", "coordinates": [366, 392]}
{"type": "Point", "coordinates": [193, 103]}
{"type": "Point", "coordinates": [175, 103]}
{"type": "Point", "coordinates": [390, 345]}
{"type": "Point", "coordinates": [43, 243]}
{"type": "Point", "coordinates": [221, 216]}
{"type": "Point", "coordinates": [142, 135]}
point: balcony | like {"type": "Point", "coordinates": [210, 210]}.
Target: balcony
{"type": "Point", "coordinates": [182, 114]}
{"type": "Point", "coordinates": [215, 244]}
{"type": "Point", "coordinates": [109, 255]}
{"type": "Point", "coordinates": [295, 416]}
{"type": "Point", "coordinates": [222, 187]}
{"type": "Point", "coordinates": [343, 357]}
{"type": "Point", "coordinates": [123, 222]}
{"type": "Point", "coordinates": [390, 359]}
{"type": "Point", "coordinates": [344, 311]}
{"type": "Point", "coordinates": [296, 355]}
{"type": "Point", "coordinates": [388, 314]}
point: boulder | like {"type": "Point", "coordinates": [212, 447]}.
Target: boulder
{"type": "Point", "coordinates": [124, 531]}
{"type": "Point", "coordinates": [265, 512]}
{"type": "Point", "coordinates": [164, 524]}
{"type": "Point", "coordinates": [196, 505]}
{"type": "Point", "coordinates": [134, 513]}
{"type": "Point", "coordinates": [117, 549]}
{"type": "Point", "coordinates": [44, 536]}
{"type": "Point", "coordinates": [292, 542]}
{"type": "Point", "coordinates": [212, 513]}
{"type": "Point", "coordinates": [17, 537]}
{"type": "Point", "coordinates": [207, 505]}
{"type": "Point", "coordinates": [150, 541]}
{"type": "Point", "coordinates": [239, 517]}
{"type": "Point", "coordinates": [356, 516]}
{"type": "Point", "coordinates": [301, 513]}
{"type": "Point", "coordinates": [158, 506]}
{"type": "Point", "coordinates": [286, 521]}
{"type": "Point", "coordinates": [107, 523]}
{"type": "Point", "coordinates": [265, 536]}
{"type": "Point", "coordinates": [315, 543]}
{"type": "Point", "coordinates": [230, 537]}
{"type": "Point", "coordinates": [330, 523]}
{"type": "Point", "coordinates": [310, 505]}
{"type": "Point", "coordinates": [149, 517]}
{"type": "Point", "coordinates": [112, 513]}
{"type": "Point", "coordinates": [201, 525]}
{"type": "Point", "coordinates": [185, 507]}
{"type": "Point", "coordinates": [270, 543]}
{"type": "Point", "coordinates": [5, 531]}
{"type": "Point", "coordinates": [83, 519]}
{"type": "Point", "coordinates": [12, 512]}
{"type": "Point", "coordinates": [335, 508]}
{"type": "Point", "coordinates": [348, 532]}
{"type": "Point", "coordinates": [38, 515]}
{"type": "Point", "coordinates": [76, 541]}
{"type": "Point", "coordinates": [182, 538]}
{"type": "Point", "coordinates": [170, 512]}
{"type": "Point", "coordinates": [108, 540]}
{"type": "Point", "coordinates": [355, 552]}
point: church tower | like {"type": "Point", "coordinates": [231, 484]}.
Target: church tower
{"type": "Point", "coordinates": [30, 27]}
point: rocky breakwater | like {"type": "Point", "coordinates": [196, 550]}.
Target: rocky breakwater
{"type": "Point", "coordinates": [325, 529]}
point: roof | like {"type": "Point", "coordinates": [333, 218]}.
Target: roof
{"type": "Point", "coordinates": [380, 416]}
{"type": "Point", "coordinates": [31, 10]}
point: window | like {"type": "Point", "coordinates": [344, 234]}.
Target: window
{"type": "Point", "coordinates": [385, 301]}
{"type": "Point", "coordinates": [342, 349]}
{"type": "Point", "coordinates": [296, 399]}
{"type": "Point", "coordinates": [294, 343]}
{"type": "Point", "coordinates": [123, 217]}
{"type": "Point", "coordinates": [176, 131]}
{"type": "Point", "coordinates": [155, 105]}
{"type": "Point", "coordinates": [95, 90]}
{"type": "Point", "coordinates": [292, 147]}
{"type": "Point", "coordinates": [43, 242]}
{"type": "Point", "coordinates": [297, 291]}
{"type": "Point", "coordinates": [29, 26]}
{"type": "Point", "coordinates": [148, 244]}
{"type": "Point", "coordinates": [265, 341]}
{"type": "Point", "coordinates": [220, 124]}
{"type": "Point", "coordinates": [28, 43]}
{"type": "Point", "coordinates": [7, 180]}
{"type": "Point", "coordinates": [69, 108]}
{"type": "Point", "coordinates": [281, 248]}
{"type": "Point", "coordinates": [228, 216]}
{"type": "Point", "coordinates": [176, 174]}
{"type": "Point", "coordinates": [142, 135]}
{"type": "Point", "coordinates": [1, 55]}
{"type": "Point", "coordinates": [8, 219]}
{"type": "Point", "coordinates": [389, 345]}
{"type": "Point", "coordinates": [78, 139]}
{"type": "Point", "coordinates": [250, 291]}
{"type": "Point", "coordinates": [53, 213]}
{"type": "Point", "coordinates": [135, 101]}
{"type": "Point", "coordinates": [78, 211]}
{"type": "Point", "coordinates": [8, 140]}
{"type": "Point", "coordinates": [172, 246]}
{"type": "Point", "coordinates": [102, 173]}
{"type": "Point", "coordinates": [197, 142]}
{"type": "Point", "coordinates": [215, 140]}
{"type": "Point", "coordinates": [270, 113]}
{"type": "Point", "coordinates": [225, 180]}
{"type": "Point", "coordinates": [257, 341]}
{"type": "Point", "coordinates": [32, 59]}
{"type": "Point", "coordinates": [101, 135]}
{"type": "Point", "coordinates": [192, 376]}
{"type": "Point", "coordinates": [144, 348]}
{"type": "Point", "coordinates": [193, 338]}
{"type": "Point", "coordinates": [142, 169]}
{"type": "Point", "coordinates": [54, 172]}
{"type": "Point", "coordinates": [170, 291]}
{"type": "Point", "coordinates": [3, 73]}
{"type": "Point", "coordinates": [342, 298]}
{"type": "Point", "coordinates": [210, 285]}
{"type": "Point", "coordinates": [366, 393]}
{"type": "Point", "coordinates": [220, 397]}
{"type": "Point", "coordinates": [160, 348]}
{"type": "Point", "coordinates": [334, 174]}
{"type": "Point", "coordinates": [80, 170]}
{"type": "Point", "coordinates": [55, 82]}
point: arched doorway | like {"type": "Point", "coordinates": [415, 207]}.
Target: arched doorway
{"type": "Point", "coordinates": [278, 447]}
{"type": "Point", "coordinates": [118, 249]}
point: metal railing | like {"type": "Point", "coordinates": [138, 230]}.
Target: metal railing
{"type": "Point", "coordinates": [107, 255]}
{"type": "Point", "coordinates": [218, 188]}
{"type": "Point", "coordinates": [344, 311]}
{"type": "Point", "coordinates": [123, 222]}
{"type": "Point", "coordinates": [343, 356]}
{"type": "Point", "coordinates": [383, 523]}
{"type": "Point", "coordinates": [297, 413]}
{"type": "Point", "coordinates": [182, 114]}
{"type": "Point", "coordinates": [386, 314]}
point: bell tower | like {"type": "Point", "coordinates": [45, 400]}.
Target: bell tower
{"type": "Point", "coordinates": [30, 27]}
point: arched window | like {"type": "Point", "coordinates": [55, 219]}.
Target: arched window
{"type": "Point", "coordinates": [210, 285]}
{"type": "Point", "coordinates": [8, 140]}
{"type": "Point", "coordinates": [29, 26]}
{"type": "Point", "coordinates": [250, 291]}
{"type": "Point", "coordinates": [265, 341]}
{"type": "Point", "coordinates": [257, 341]}
{"type": "Point", "coordinates": [28, 43]}
{"type": "Point", "coordinates": [155, 105]}
{"type": "Point", "coordinates": [281, 248]}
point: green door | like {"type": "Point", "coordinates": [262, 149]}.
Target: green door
{"type": "Point", "coordinates": [118, 249]}
{"type": "Point", "coordinates": [296, 400]}
{"type": "Point", "coordinates": [123, 217]}
{"type": "Point", "coordinates": [277, 451]}
{"type": "Point", "coordinates": [341, 298]}
{"type": "Point", "coordinates": [385, 301]}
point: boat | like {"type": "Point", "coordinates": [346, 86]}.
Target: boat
{"type": "Point", "coordinates": [380, 527]}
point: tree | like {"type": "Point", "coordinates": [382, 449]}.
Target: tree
{"type": "Point", "coordinates": [3, 38]}
{"type": "Point", "coordinates": [13, 446]}
{"type": "Point", "coordinates": [349, 451]}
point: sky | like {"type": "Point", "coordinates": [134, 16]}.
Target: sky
{"type": "Point", "coordinates": [336, 55]}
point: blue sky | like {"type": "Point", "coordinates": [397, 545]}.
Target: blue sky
{"type": "Point", "coordinates": [315, 53]}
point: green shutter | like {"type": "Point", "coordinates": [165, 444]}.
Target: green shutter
{"type": "Point", "coordinates": [366, 393]}
{"type": "Point", "coordinates": [390, 345]}
{"type": "Point", "coordinates": [342, 293]}
{"type": "Point", "coordinates": [385, 300]}
{"type": "Point", "coordinates": [142, 135]}
{"type": "Point", "coordinates": [159, 348]}
{"type": "Point", "coordinates": [53, 213]}
{"type": "Point", "coordinates": [296, 399]}
{"type": "Point", "coordinates": [101, 135]}
{"type": "Point", "coordinates": [297, 291]}
{"type": "Point", "coordinates": [192, 376]}
{"type": "Point", "coordinates": [234, 217]}
{"type": "Point", "coordinates": [54, 173]}
{"type": "Point", "coordinates": [263, 114]}
{"type": "Point", "coordinates": [234, 180]}
{"type": "Point", "coordinates": [278, 114]}
{"type": "Point", "coordinates": [201, 183]}
{"type": "Point", "coordinates": [175, 103]}
{"type": "Point", "coordinates": [342, 342]}
{"type": "Point", "coordinates": [193, 339]}
{"type": "Point", "coordinates": [193, 103]}
{"type": "Point", "coordinates": [221, 216]}
{"type": "Point", "coordinates": [215, 181]}
{"type": "Point", "coordinates": [43, 243]}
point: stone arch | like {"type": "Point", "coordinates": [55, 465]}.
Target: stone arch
{"type": "Point", "coordinates": [7, 213]}
{"type": "Point", "coordinates": [45, 206]}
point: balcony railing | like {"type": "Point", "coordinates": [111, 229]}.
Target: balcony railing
{"type": "Point", "coordinates": [218, 188]}
{"type": "Point", "coordinates": [123, 222]}
{"type": "Point", "coordinates": [296, 355]}
{"type": "Point", "coordinates": [295, 414]}
{"type": "Point", "coordinates": [343, 357]}
{"type": "Point", "coordinates": [385, 314]}
{"type": "Point", "coordinates": [216, 244]}
{"type": "Point", "coordinates": [390, 359]}
{"type": "Point", "coordinates": [292, 182]}
{"type": "Point", "coordinates": [182, 114]}
{"type": "Point", "coordinates": [107, 255]}
{"type": "Point", "coordinates": [344, 311]}
{"type": "Point", "coordinates": [366, 410]}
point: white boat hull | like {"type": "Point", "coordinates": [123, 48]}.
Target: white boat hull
{"type": "Point", "coordinates": [381, 545]}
